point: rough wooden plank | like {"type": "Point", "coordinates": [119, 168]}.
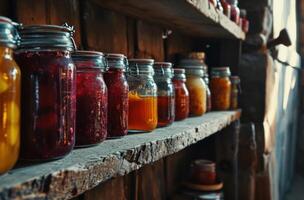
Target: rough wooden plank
{"type": "Point", "coordinates": [31, 11]}
{"type": "Point", "coordinates": [149, 41]}
{"type": "Point", "coordinates": [151, 182]}
{"type": "Point", "coordinates": [193, 17]}
{"type": "Point", "coordinates": [85, 168]}
{"type": "Point", "coordinates": [5, 8]}
{"type": "Point", "coordinates": [66, 11]}
{"type": "Point", "coordinates": [104, 30]}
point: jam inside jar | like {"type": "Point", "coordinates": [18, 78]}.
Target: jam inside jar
{"type": "Point", "coordinates": [9, 97]}
{"type": "Point", "coordinates": [91, 99]}
{"type": "Point", "coordinates": [165, 93]}
{"type": "Point", "coordinates": [181, 95]}
{"type": "Point", "coordinates": [48, 92]}
{"type": "Point", "coordinates": [118, 105]}
{"type": "Point", "coordinates": [142, 96]}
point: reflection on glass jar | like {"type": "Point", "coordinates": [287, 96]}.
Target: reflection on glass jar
{"type": "Point", "coordinates": [142, 96]}
{"type": "Point", "coordinates": [196, 86]}
{"type": "Point", "coordinates": [165, 93]}
{"type": "Point", "coordinates": [181, 94]}
{"type": "Point", "coordinates": [235, 85]}
{"type": "Point", "coordinates": [220, 88]}
{"type": "Point", "coordinates": [91, 99]}
{"type": "Point", "coordinates": [48, 91]}
{"type": "Point", "coordinates": [9, 97]}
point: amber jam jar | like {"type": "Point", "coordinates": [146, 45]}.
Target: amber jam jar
{"type": "Point", "coordinates": [235, 89]}
{"type": "Point", "coordinates": [48, 91]}
{"type": "Point", "coordinates": [181, 94]}
{"type": "Point", "coordinates": [196, 86]}
{"type": "Point", "coordinates": [9, 97]}
{"type": "Point", "coordinates": [142, 96]}
{"type": "Point", "coordinates": [91, 98]}
{"type": "Point", "coordinates": [220, 88]}
{"type": "Point", "coordinates": [118, 104]}
{"type": "Point", "coordinates": [165, 93]}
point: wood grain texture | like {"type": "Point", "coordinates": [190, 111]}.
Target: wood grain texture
{"type": "Point", "coordinates": [31, 11]}
{"type": "Point", "coordinates": [194, 17]}
{"type": "Point", "coordinates": [86, 168]}
{"type": "Point", "coordinates": [149, 41]}
{"type": "Point", "coordinates": [65, 11]}
{"type": "Point", "coordinates": [104, 30]}
{"type": "Point", "coordinates": [151, 182]}
{"type": "Point", "coordinates": [5, 8]}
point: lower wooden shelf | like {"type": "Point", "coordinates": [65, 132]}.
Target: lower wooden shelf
{"type": "Point", "coordinates": [85, 168]}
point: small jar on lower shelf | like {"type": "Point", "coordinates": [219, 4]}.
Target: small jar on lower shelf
{"type": "Point", "coordinates": [91, 98]}
{"type": "Point", "coordinates": [220, 88]}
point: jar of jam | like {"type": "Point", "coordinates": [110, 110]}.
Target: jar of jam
{"type": "Point", "coordinates": [196, 86]}
{"type": "Point", "coordinates": [244, 23]}
{"type": "Point", "coordinates": [181, 94]}
{"type": "Point", "coordinates": [9, 97]}
{"type": "Point", "coordinates": [142, 96]}
{"type": "Point", "coordinates": [235, 11]}
{"type": "Point", "coordinates": [203, 172]}
{"type": "Point", "coordinates": [226, 8]}
{"type": "Point", "coordinates": [91, 98]}
{"type": "Point", "coordinates": [220, 88]}
{"type": "Point", "coordinates": [219, 6]}
{"type": "Point", "coordinates": [165, 93]}
{"type": "Point", "coordinates": [48, 91]}
{"type": "Point", "coordinates": [235, 88]}
{"type": "Point", "coordinates": [118, 104]}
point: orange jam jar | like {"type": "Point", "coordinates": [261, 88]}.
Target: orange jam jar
{"type": "Point", "coordinates": [9, 97]}
{"type": "Point", "coordinates": [220, 88]}
{"type": "Point", "coordinates": [142, 96]}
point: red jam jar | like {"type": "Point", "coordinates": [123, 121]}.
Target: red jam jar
{"type": "Point", "coordinates": [118, 103]}
{"type": "Point", "coordinates": [165, 93]}
{"type": "Point", "coordinates": [48, 91]}
{"type": "Point", "coordinates": [181, 94]}
{"type": "Point", "coordinates": [203, 172]}
{"type": "Point", "coordinates": [235, 11]}
{"type": "Point", "coordinates": [91, 98]}
{"type": "Point", "coordinates": [227, 8]}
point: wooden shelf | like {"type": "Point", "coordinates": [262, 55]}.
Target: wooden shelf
{"type": "Point", "coordinates": [194, 17]}
{"type": "Point", "coordinates": [85, 168]}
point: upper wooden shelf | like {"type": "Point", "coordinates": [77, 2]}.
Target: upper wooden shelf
{"type": "Point", "coordinates": [85, 168]}
{"type": "Point", "coordinates": [194, 17]}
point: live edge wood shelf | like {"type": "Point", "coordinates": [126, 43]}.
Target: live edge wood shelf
{"type": "Point", "coordinates": [85, 168]}
{"type": "Point", "coordinates": [195, 17]}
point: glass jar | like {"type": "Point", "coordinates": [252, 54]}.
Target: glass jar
{"type": "Point", "coordinates": [165, 93]}
{"type": "Point", "coordinates": [118, 89]}
{"type": "Point", "coordinates": [219, 6]}
{"type": "Point", "coordinates": [48, 91]}
{"type": "Point", "coordinates": [9, 97]}
{"type": "Point", "coordinates": [181, 94]}
{"type": "Point", "coordinates": [91, 98]}
{"type": "Point", "coordinates": [206, 79]}
{"type": "Point", "coordinates": [142, 96]}
{"type": "Point", "coordinates": [203, 172]}
{"type": "Point", "coordinates": [244, 23]}
{"type": "Point", "coordinates": [235, 11]}
{"type": "Point", "coordinates": [235, 86]}
{"type": "Point", "coordinates": [196, 86]}
{"type": "Point", "coordinates": [220, 88]}
{"type": "Point", "coordinates": [227, 8]}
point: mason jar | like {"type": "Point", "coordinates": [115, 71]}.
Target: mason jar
{"type": "Point", "coordinates": [9, 97]}
{"type": "Point", "coordinates": [91, 98]}
{"type": "Point", "coordinates": [142, 96]}
{"type": "Point", "coordinates": [181, 94]}
{"type": "Point", "coordinates": [118, 104]}
{"type": "Point", "coordinates": [196, 86]}
{"type": "Point", "coordinates": [165, 93]}
{"type": "Point", "coordinates": [48, 91]}
{"type": "Point", "coordinates": [220, 88]}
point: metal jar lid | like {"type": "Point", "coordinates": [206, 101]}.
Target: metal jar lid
{"type": "Point", "coordinates": [39, 37]}
{"type": "Point", "coordinates": [220, 72]}
{"type": "Point", "coordinates": [91, 59]}
{"type": "Point", "coordinates": [8, 33]}
{"type": "Point", "coordinates": [163, 69]}
{"type": "Point", "coordinates": [235, 80]}
{"type": "Point", "coordinates": [116, 61]}
{"type": "Point", "coordinates": [141, 66]}
{"type": "Point", "coordinates": [179, 74]}
{"type": "Point", "coordinates": [193, 67]}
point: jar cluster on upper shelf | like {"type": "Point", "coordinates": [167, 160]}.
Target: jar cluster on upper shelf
{"type": "Point", "coordinates": [79, 98]}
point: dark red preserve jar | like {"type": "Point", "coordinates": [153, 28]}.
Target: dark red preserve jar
{"type": "Point", "coordinates": [118, 103]}
{"type": "Point", "coordinates": [91, 98]}
{"type": "Point", "coordinates": [48, 91]}
{"type": "Point", "coordinates": [203, 172]}
{"type": "Point", "coordinates": [181, 94]}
